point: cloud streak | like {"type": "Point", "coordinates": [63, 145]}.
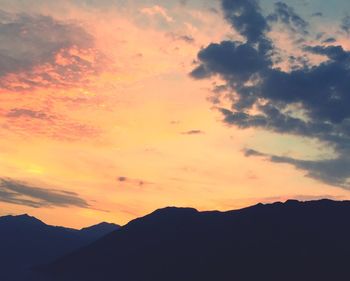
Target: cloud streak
{"type": "Point", "coordinates": [134, 182]}
{"type": "Point", "coordinates": [22, 193]}
{"type": "Point", "coordinates": [193, 132]}
{"type": "Point", "coordinates": [23, 112]}
{"type": "Point", "coordinates": [331, 171]}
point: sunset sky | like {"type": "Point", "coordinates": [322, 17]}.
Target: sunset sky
{"type": "Point", "coordinates": [111, 109]}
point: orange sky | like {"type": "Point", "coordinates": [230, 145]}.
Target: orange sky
{"type": "Point", "coordinates": [114, 119]}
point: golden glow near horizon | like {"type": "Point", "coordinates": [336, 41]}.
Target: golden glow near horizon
{"type": "Point", "coordinates": [127, 130]}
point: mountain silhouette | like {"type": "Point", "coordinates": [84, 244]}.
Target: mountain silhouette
{"type": "Point", "coordinates": [26, 242]}
{"type": "Point", "coordinates": [282, 241]}
{"type": "Point", "coordinates": [97, 231]}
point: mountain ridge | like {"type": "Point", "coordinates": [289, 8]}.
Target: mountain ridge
{"type": "Point", "coordinates": [308, 240]}
{"type": "Point", "coordinates": [27, 241]}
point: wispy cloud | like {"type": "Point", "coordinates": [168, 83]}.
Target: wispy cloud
{"type": "Point", "coordinates": [331, 171]}
{"type": "Point", "coordinates": [22, 193]}
{"type": "Point", "coordinates": [132, 181]}
{"type": "Point", "coordinates": [39, 51]}
{"type": "Point", "coordinates": [23, 112]}
{"type": "Point", "coordinates": [44, 123]}
{"type": "Point", "coordinates": [193, 132]}
{"type": "Point", "coordinates": [157, 10]}
{"type": "Point", "coordinates": [181, 37]}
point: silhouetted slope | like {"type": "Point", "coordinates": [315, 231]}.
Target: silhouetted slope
{"type": "Point", "coordinates": [291, 241]}
{"type": "Point", "coordinates": [97, 231]}
{"type": "Point", "coordinates": [26, 241]}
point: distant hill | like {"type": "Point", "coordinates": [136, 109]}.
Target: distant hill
{"type": "Point", "coordinates": [292, 241]}
{"type": "Point", "coordinates": [26, 242]}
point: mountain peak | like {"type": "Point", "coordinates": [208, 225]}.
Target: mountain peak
{"type": "Point", "coordinates": [292, 202]}
{"type": "Point", "coordinates": [101, 226]}
{"type": "Point", "coordinates": [175, 210]}
{"type": "Point", "coordinates": [163, 217]}
{"type": "Point", "coordinates": [24, 218]}
{"type": "Point", "coordinates": [99, 230]}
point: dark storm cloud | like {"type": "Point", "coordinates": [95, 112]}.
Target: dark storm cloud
{"type": "Point", "coordinates": [289, 17]}
{"type": "Point", "coordinates": [233, 60]}
{"type": "Point", "coordinates": [245, 16]}
{"type": "Point", "coordinates": [306, 100]}
{"type": "Point", "coordinates": [334, 53]}
{"type": "Point", "coordinates": [21, 193]}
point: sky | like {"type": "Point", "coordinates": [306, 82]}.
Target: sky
{"type": "Point", "coordinates": [111, 109]}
